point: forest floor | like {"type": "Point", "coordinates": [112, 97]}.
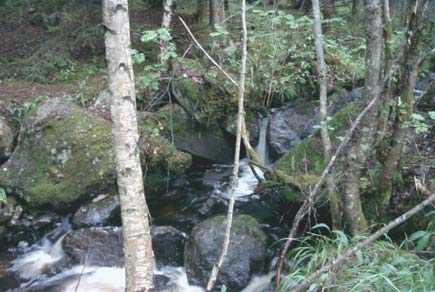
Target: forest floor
{"type": "Point", "coordinates": [19, 39]}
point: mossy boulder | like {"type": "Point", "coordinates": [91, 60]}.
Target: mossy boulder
{"type": "Point", "coordinates": [64, 154]}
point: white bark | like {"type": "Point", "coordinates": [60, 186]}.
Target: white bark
{"type": "Point", "coordinates": [134, 211]}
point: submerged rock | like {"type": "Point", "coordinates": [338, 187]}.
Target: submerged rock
{"type": "Point", "coordinates": [102, 211]}
{"type": "Point", "coordinates": [246, 254]}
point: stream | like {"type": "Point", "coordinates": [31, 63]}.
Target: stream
{"type": "Point", "coordinates": [204, 192]}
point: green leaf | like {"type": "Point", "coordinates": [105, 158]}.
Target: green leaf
{"type": "Point", "coordinates": [417, 235]}
{"type": "Point", "coordinates": [423, 242]}
{"type": "Point", "coordinates": [148, 36]}
{"type": "Point", "coordinates": [321, 225]}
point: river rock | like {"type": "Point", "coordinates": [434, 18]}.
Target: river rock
{"type": "Point", "coordinates": [246, 254]}
{"type": "Point", "coordinates": [95, 246]}
{"type": "Point", "coordinates": [102, 246]}
{"type": "Point", "coordinates": [102, 211]}
{"type": "Point", "coordinates": [168, 245]}
{"type": "Point", "coordinates": [289, 126]}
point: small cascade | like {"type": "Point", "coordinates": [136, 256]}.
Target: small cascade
{"type": "Point", "coordinates": [261, 148]}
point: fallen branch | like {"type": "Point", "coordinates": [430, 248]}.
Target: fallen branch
{"type": "Point", "coordinates": [309, 203]}
{"type": "Point", "coordinates": [302, 286]}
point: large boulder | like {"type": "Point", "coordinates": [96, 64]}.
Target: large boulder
{"type": "Point", "coordinates": [64, 154]}
{"type": "Point", "coordinates": [246, 254]}
{"type": "Point", "coordinates": [291, 124]}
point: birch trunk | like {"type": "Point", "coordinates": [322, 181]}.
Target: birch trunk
{"type": "Point", "coordinates": [334, 201]}
{"type": "Point", "coordinates": [134, 211]}
{"type": "Point", "coordinates": [168, 12]}
{"type": "Point", "coordinates": [360, 151]}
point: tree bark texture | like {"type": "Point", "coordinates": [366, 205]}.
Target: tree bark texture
{"type": "Point", "coordinates": [334, 201]}
{"type": "Point", "coordinates": [134, 211]}
{"type": "Point", "coordinates": [360, 151]}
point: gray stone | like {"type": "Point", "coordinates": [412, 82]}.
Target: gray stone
{"type": "Point", "coordinates": [246, 254]}
{"type": "Point", "coordinates": [102, 211]}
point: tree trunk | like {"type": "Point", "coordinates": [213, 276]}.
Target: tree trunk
{"type": "Point", "coordinates": [134, 211]}
{"type": "Point", "coordinates": [404, 108]}
{"type": "Point", "coordinates": [214, 13]}
{"type": "Point", "coordinates": [360, 151]}
{"type": "Point", "coordinates": [201, 10]}
{"type": "Point", "coordinates": [334, 202]}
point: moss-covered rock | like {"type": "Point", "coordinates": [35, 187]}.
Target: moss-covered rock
{"type": "Point", "coordinates": [64, 154]}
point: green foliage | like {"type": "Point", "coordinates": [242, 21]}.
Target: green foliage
{"type": "Point", "coordinates": [382, 266]}
{"type": "Point", "coordinates": [418, 122]}
{"type": "Point", "coordinates": [149, 73]}
{"type": "Point", "coordinates": [21, 110]}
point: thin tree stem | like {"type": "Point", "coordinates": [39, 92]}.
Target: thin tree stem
{"type": "Point", "coordinates": [240, 118]}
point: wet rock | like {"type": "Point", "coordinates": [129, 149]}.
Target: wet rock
{"type": "Point", "coordinates": [246, 255]}
{"type": "Point", "coordinates": [289, 126]}
{"type": "Point", "coordinates": [95, 246]}
{"type": "Point", "coordinates": [102, 246]}
{"type": "Point", "coordinates": [168, 245]}
{"type": "Point", "coordinates": [102, 211]}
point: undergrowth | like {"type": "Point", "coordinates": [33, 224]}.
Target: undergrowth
{"type": "Point", "coordinates": [382, 266]}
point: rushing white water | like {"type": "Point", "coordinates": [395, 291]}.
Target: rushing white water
{"type": "Point", "coordinates": [247, 180]}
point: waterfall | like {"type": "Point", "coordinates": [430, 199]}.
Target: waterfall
{"type": "Point", "coordinates": [261, 148]}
